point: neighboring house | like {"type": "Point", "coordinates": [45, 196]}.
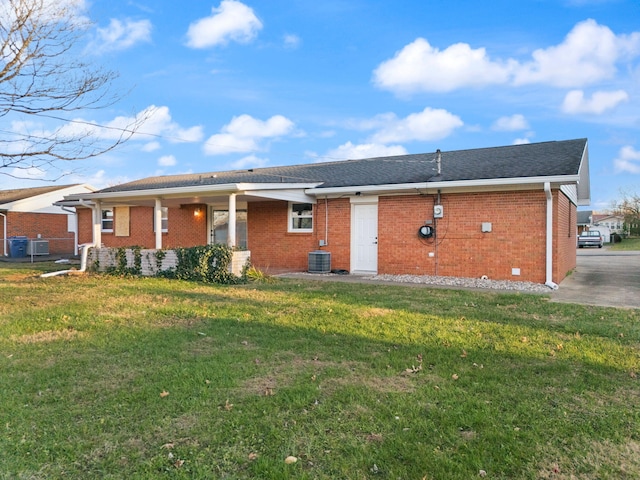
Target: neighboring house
{"type": "Point", "coordinates": [615, 223]}
{"type": "Point", "coordinates": [504, 212]}
{"type": "Point", "coordinates": [584, 220]}
{"type": "Point", "coordinates": [31, 213]}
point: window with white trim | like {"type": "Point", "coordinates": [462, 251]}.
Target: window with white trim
{"type": "Point", "coordinates": [300, 217]}
{"type": "Point", "coordinates": [107, 219]}
{"type": "Point", "coordinates": [165, 219]}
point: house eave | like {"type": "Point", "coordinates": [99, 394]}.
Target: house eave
{"type": "Point", "coordinates": [174, 192]}
{"type": "Point", "coordinates": [498, 183]}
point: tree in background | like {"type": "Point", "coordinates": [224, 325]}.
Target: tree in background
{"type": "Point", "coordinates": [43, 79]}
{"type": "Point", "coordinates": [629, 208]}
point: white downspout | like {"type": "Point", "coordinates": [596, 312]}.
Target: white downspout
{"type": "Point", "coordinates": [549, 253]}
{"type": "Point", "coordinates": [83, 263]}
{"type": "Point", "coordinates": [231, 235]}
{"type": "Point", "coordinates": [5, 234]}
{"type": "Point", "coordinates": [97, 224]}
{"type": "Point", "coordinates": [158, 223]}
{"type": "Point", "coordinates": [96, 216]}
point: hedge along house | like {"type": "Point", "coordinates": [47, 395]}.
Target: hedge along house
{"type": "Point", "coordinates": [506, 212]}
{"type": "Point", "coordinates": [32, 213]}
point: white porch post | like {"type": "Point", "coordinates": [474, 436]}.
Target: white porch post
{"type": "Point", "coordinates": [157, 213]}
{"type": "Point", "coordinates": [231, 235]}
{"type": "Point", "coordinates": [97, 225]}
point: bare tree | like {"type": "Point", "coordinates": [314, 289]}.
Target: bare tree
{"type": "Point", "coordinates": [629, 209]}
{"type": "Point", "coordinates": [43, 75]}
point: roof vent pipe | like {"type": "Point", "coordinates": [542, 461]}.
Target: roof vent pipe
{"type": "Point", "coordinates": [439, 161]}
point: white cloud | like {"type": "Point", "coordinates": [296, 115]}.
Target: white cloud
{"type": "Point", "coordinates": [589, 53]}
{"type": "Point", "coordinates": [291, 41]}
{"type": "Point", "coordinates": [167, 161]}
{"type": "Point", "coordinates": [249, 162]}
{"type": "Point", "coordinates": [120, 35]}
{"type": "Point", "coordinates": [421, 67]}
{"type": "Point", "coordinates": [155, 124]}
{"type": "Point", "coordinates": [600, 102]}
{"type": "Point", "coordinates": [98, 179]}
{"type": "Point", "coordinates": [233, 20]}
{"type": "Point", "coordinates": [349, 151]}
{"type": "Point", "coordinates": [430, 124]}
{"type": "Point", "coordinates": [510, 124]}
{"type": "Point", "coordinates": [159, 122]}
{"type": "Point", "coordinates": [151, 147]}
{"type": "Point", "coordinates": [31, 173]}
{"type": "Point", "coordinates": [628, 160]}
{"type": "Point", "coordinates": [521, 141]}
{"type": "Point", "coordinates": [243, 134]}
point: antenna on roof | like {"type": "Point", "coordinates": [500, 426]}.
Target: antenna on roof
{"type": "Point", "coordinates": [439, 161]}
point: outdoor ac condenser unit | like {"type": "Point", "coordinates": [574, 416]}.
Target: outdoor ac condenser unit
{"type": "Point", "coordinates": [38, 247]}
{"type": "Point", "coordinates": [319, 262]}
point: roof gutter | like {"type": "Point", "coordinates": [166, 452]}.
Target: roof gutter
{"type": "Point", "coordinates": [192, 190]}
{"type": "Point", "coordinates": [549, 250]}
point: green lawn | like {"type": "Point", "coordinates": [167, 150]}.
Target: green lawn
{"type": "Point", "coordinates": [627, 244]}
{"type": "Point", "coordinates": [105, 377]}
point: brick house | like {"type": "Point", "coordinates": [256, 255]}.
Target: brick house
{"type": "Point", "coordinates": [31, 213]}
{"type": "Point", "coordinates": [505, 212]}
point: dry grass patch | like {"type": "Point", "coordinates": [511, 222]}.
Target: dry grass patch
{"type": "Point", "coordinates": [48, 336]}
{"type": "Point", "coordinates": [599, 460]}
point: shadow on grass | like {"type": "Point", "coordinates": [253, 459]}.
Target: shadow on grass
{"type": "Point", "coordinates": [354, 381]}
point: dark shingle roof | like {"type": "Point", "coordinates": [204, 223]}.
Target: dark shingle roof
{"type": "Point", "coordinates": [8, 196]}
{"type": "Point", "coordinates": [545, 159]}
{"type": "Point", "coordinates": [584, 217]}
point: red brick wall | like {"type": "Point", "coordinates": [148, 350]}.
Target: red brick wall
{"type": "Point", "coordinates": [85, 229]}
{"type": "Point", "coordinates": [184, 228]}
{"type": "Point", "coordinates": [49, 226]}
{"type": "Point", "coordinates": [564, 241]}
{"type": "Point", "coordinates": [272, 248]}
{"type": "Point", "coordinates": [517, 239]}
{"type": "Point", "coordinates": [400, 250]}
{"type": "Point", "coordinates": [338, 235]}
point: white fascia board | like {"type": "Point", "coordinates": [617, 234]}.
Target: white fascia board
{"type": "Point", "coordinates": [176, 192]}
{"type": "Point", "coordinates": [459, 184]}
{"type": "Point", "coordinates": [367, 189]}
{"type": "Point", "coordinates": [158, 192]}
{"type": "Point", "coordinates": [249, 187]}
{"type": "Point", "coordinates": [298, 196]}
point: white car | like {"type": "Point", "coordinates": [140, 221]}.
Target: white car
{"type": "Point", "coordinates": [590, 238]}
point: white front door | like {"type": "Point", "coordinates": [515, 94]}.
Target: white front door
{"type": "Point", "coordinates": [364, 238]}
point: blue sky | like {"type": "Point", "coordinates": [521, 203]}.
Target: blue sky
{"type": "Point", "coordinates": [239, 84]}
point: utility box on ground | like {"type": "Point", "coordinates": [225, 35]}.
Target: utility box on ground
{"type": "Point", "coordinates": [38, 247]}
{"type": "Point", "coordinates": [17, 247]}
{"type": "Point", "coordinates": [319, 262]}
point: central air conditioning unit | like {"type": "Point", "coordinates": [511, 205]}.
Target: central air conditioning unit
{"type": "Point", "coordinates": [319, 262]}
{"type": "Point", "coordinates": [38, 247]}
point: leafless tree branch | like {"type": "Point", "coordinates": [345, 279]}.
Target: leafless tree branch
{"type": "Point", "coordinates": [40, 76]}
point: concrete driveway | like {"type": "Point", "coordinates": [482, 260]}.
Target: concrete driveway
{"type": "Point", "coordinates": [604, 278]}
